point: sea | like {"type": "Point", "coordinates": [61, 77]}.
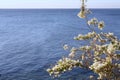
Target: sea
{"type": "Point", "coordinates": [31, 40]}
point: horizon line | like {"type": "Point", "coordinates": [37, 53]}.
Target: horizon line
{"type": "Point", "coordinates": [58, 8]}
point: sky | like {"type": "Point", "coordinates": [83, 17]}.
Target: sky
{"type": "Point", "coordinates": [58, 3]}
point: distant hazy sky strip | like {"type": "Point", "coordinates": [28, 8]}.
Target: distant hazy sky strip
{"type": "Point", "coordinates": [58, 3]}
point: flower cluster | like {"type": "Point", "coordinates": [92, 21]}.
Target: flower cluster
{"type": "Point", "coordinates": [85, 37]}
{"type": "Point", "coordinates": [64, 65]}
{"type": "Point", "coordinates": [94, 22]}
{"type": "Point", "coordinates": [105, 68]}
{"type": "Point", "coordinates": [101, 54]}
{"type": "Point", "coordinates": [85, 48]}
{"type": "Point", "coordinates": [84, 12]}
{"type": "Point", "coordinates": [99, 67]}
{"type": "Point", "coordinates": [72, 52]}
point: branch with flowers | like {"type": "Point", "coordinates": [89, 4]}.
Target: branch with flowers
{"type": "Point", "coordinates": [101, 55]}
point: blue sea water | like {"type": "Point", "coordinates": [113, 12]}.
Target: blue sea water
{"type": "Point", "coordinates": [31, 40]}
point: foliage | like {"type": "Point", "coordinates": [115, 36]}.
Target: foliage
{"type": "Point", "coordinates": [101, 55]}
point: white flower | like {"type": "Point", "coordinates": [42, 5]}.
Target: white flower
{"type": "Point", "coordinates": [100, 66]}
{"type": "Point", "coordinates": [65, 47]}
{"type": "Point", "coordinates": [89, 23]}
{"type": "Point", "coordinates": [60, 60]}
{"type": "Point", "coordinates": [48, 70]}
{"type": "Point", "coordinates": [94, 20]}
{"type": "Point", "coordinates": [72, 54]}
{"type": "Point", "coordinates": [110, 48]}
{"type": "Point", "coordinates": [91, 77]}
{"type": "Point", "coordinates": [111, 34]}
{"type": "Point", "coordinates": [101, 25]}
{"type": "Point", "coordinates": [97, 66]}
{"type": "Point", "coordinates": [80, 35]}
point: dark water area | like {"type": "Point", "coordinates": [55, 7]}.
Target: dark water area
{"type": "Point", "coordinates": [32, 39]}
